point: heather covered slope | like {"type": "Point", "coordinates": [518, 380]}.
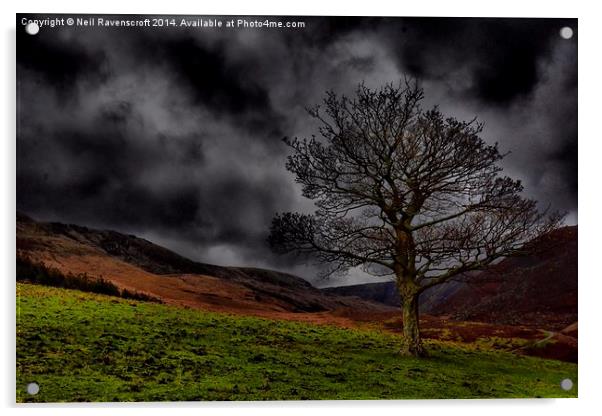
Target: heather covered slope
{"type": "Point", "coordinates": [137, 264]}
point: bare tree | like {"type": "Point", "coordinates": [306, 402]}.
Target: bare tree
{"type": "Point", "coordinates": [404, 192]}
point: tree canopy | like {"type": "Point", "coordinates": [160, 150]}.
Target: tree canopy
{"type": "Point", "coordinates": [404, 192]}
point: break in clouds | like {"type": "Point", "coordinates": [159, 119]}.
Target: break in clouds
{"type": "Point", "coordinates": [175, 134]}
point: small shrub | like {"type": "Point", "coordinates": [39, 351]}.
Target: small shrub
{"type": "Point", "coordinates": [127, 294]}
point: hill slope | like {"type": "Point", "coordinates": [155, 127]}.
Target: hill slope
{"type": "Point", "coordinates": [539, 289]}
{"type": "Point", "coordinates": [108, 349]}
{"type": "Point", "coordinates": [137, 264]}
{"type": "Point", "coordinates": [386, 293]}
{"type": "Point", "coordinates": [382, 292]}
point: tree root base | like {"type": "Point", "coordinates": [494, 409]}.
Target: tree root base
{"type": "Point", "coordinates": [413, 351]}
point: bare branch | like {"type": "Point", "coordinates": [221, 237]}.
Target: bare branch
{"type": "Point", "coordinates": [403, 190]}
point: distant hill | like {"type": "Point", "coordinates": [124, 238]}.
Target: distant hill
{"type": "Point", "coordinates": [137, 264]}
{"type": "Point", "coordinates": [539, 289]}
{"type": "Point", "coordinates": [382, 292]}
{"type": "Point", "coordinates": [386, 293]}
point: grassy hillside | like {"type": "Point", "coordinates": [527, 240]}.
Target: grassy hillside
{"type": "Point", "coordinates": [86, 347]}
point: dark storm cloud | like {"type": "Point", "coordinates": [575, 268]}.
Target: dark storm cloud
{"type": "Point", "coordinates": [501, 55]}
{"type": "Point", "coordinates": [63, 61]}
{"type": "Point", "coordinates": [518, 76]}
{"type": "Point", "coordinates": [175, 134]}
{"type": "Point", "coordinates": [92, 171]}
{"type": "Point", "coordinates": [225, 87]}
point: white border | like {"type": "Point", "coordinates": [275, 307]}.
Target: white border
{"type": "Point", "coordinates": [590, 152]}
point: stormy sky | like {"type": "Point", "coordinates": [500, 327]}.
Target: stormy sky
{"type": "Point", "coordinates": [175, 134]}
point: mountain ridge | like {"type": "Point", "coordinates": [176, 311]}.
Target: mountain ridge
{"type": "Point", "coordinates": [135, 263]}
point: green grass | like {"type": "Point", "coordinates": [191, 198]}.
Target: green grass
{"type": "Point", "coordinates": [85, 347]}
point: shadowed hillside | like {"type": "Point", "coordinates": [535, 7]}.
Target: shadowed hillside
{"type": "Point", "coordinates": [382, 292]}
{"type": "Point", "coordinates": [538, 289]}
{"type": "Point", "coordinates": [387, 293]}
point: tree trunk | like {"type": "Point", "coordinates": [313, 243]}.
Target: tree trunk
{"type": "Point", "coordinates": [411, 341]}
